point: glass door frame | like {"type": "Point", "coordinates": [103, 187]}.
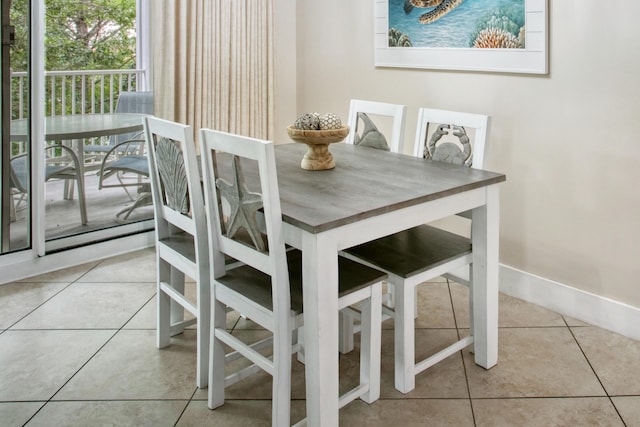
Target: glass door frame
{"type": "Point", "coordinates": [41, 256]}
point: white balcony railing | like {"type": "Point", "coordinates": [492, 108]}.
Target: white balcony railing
{"type": "Point", "coordinates": [74, 92]}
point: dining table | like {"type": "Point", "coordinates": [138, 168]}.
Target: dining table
{"type": "Point", "coordinates": [370, 194]}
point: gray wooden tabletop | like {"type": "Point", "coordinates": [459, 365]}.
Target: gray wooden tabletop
{"type": "Point", "coordinates": [365, 183]}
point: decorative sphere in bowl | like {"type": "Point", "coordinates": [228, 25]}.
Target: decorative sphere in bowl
{"type": "Point", "coordinates": [318, 156]}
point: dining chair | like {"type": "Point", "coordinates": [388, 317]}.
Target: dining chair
{"type": "Point", "coordinates": [363, 131]}
{"type": "Point", "coordinates": [422, 253]}
{"type": "Point", "coordinates": [362, 119]}
{"type": "Point", "coordinates": [268, 287]}
{"type": "Point", "coordinates": [64, 166]}
{"type": "Point", "coordinates": [181, 235]}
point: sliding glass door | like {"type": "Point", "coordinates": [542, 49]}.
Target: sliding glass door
{"type": "Point", "coordinates": [55, 79]}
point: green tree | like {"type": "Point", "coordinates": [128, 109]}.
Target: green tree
{"type": "Point", "coordinates": [80, 34]}
{"type": "Point", "coordinates": [90, 34]}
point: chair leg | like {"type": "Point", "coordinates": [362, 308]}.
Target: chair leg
{"type": "Point", "coordinates": [12, 210]}
{"type": "Point", "coordinates": [163, 332]}
{"type": "Point", "coordinates": [142, 200]}
{"type": "Point", "coordinates": [281, 393]}
{"type": "Point", "coordinates": [471, 331]}
{"type": "Point", "coordinates": [218, 320]}
{"type": "Point", "coordinates": [81, 198]}
{"type": "Point", "coordinates": [177, 311]}
{"type": "Point", "coordinates": [370, 343]}
{"type": "Point", "coordinates": [68, 190]}
{"type": "Point", "coordinates": [389, 296]}
{"type": "Point", "coordinates": [345, 321]}
{"type": "Point", "coordinates": [299, 338]}
{"type": "Point", "coordinates": [203, 331]}
{"type": "Point", "coordinates": [404, 338]}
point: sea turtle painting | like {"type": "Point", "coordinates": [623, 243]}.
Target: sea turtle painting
{"type": "Point", "coordinates": [484, 24]}
{"type": "Point", "coordinates": [441, 8]}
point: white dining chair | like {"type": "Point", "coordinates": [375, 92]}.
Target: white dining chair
{"type": "Point", "coordinates": [366, 117]}
{"type": "Point", "coordinates": [377, 125]}
{"type": "Point", "coordinates": [422, 253]}
{"type": "Point", "coordinates": [181, 236]}
{"type": "Point", "coordinates": [268, 288]}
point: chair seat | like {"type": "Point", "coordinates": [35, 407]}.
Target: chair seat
{"type": "Point", "coordinates": [21, 170]}
{"type": "Point", "coordinates": [57, 170]}
{"type": "Point", "coordinates": [246, 280]}
{"type": "Point", "coordinates": [134, 164]}
{"type": "Point", "coordinates": [183, 244]}
{"type": "Point", "coordinates": [412, 251]}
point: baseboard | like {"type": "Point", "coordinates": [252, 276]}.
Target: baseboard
{"type": "Point", "coordinates": [25, 264]}
{"type": "Point", "coordinates": [566, 300]}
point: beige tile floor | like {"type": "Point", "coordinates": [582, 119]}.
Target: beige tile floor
{"type": "Point", "coordinates": [77, 348]}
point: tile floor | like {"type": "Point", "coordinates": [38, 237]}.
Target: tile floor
{"type": "Point", "coordinates": [77, 348]}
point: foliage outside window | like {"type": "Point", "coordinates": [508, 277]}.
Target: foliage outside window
{"type": "Point", "coordinates": [79, 35]}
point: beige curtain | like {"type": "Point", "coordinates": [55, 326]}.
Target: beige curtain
{"type": "Point", "coordinates": [213, 64]}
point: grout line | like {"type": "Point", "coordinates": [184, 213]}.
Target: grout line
{"type": "Point", "coordinates": [594, 372]}
{"type": "Point", "coordinates": [464, 367]}
{"type": "Point", "coordinates": [186, 406]}
{"type": "Point", "coordinates": [90, 357]}
{"type": "Point", "coordinates": [42, 303]}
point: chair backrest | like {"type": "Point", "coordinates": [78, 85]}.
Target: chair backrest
{"type": "Point", "coordinates": [133, 102]}
{"type": "Point", "coordinates": [373, 129]}
{"type": "Point", "coordinates": [19, 173]}
{"type": "Point", "coordinates": [226, 160]}
{"type": "Point", "coordinates": [452, 137]}
{"type": "Point", "coordinates": [175, 181]}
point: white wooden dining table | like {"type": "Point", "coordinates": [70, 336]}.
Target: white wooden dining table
{"type": "Point", "coordinates": [369, 194]}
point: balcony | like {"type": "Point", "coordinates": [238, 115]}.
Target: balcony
{"type": "Point", "coordinates": [75, 93]}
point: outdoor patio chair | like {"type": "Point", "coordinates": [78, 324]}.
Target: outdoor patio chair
{"type": "Point", "coordinates": [64, 167]}
{"type": "Point", "coordinates": [121, 160]}
{"type": "Point", "coordinates": [128, 102]}
{"type": "Point", "coordinates": [128, 144]}
{"type": "Point", "coordinates": [423, 253]}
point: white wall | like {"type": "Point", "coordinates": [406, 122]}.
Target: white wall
{"type": "Point", "coordinates": [568, 142]}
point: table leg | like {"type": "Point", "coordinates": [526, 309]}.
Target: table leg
{"type": "Point", "coordinates": [77, 145]}
{"type": "Point", "coordinates": [320, 296]}
{"type": "Point", "coordinates": [485, 235]}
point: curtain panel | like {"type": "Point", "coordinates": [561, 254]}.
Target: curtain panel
{"type": "Point", "coordinates": [213, 64]}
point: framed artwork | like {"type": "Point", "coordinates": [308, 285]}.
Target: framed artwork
{"type": "Point", "coordinates": [480, 35]}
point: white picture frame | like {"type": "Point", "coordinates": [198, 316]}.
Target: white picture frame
{"type": "Point", "coordinates": [531, 59]}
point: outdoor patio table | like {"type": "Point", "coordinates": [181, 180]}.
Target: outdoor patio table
{"type": "Point", "coordinates": [369, 194]}
{"type": "Point", "coordinates": [78, 127]}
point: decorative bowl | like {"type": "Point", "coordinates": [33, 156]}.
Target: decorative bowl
{"type": "Point", "coordinates": [318, 156]}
